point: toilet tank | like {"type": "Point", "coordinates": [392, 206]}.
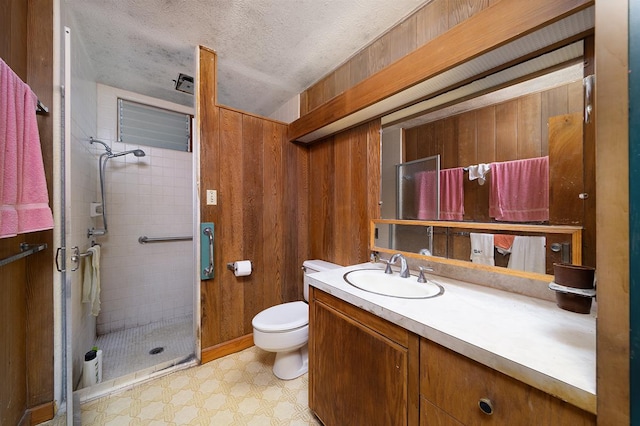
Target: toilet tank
{"type": "Point", "coordinates": [311, 266]}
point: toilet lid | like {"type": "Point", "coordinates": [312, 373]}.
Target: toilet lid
{"type": "Point", "coordinates": [286, 316]}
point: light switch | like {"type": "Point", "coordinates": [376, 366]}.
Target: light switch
{"type": "Point", "coordinates": [212, 197]}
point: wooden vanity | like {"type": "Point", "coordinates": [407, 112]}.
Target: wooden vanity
{"type": "Point", "coordinates": [365, 369]}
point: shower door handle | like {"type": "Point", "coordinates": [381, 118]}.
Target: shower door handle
{"type": "Point", "coordinates": [206, 251]}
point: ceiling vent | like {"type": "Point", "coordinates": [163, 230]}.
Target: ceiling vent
{"type": "Point", "coordinates": [184, 83]}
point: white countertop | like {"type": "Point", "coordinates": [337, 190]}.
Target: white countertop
{"type": "Point", "coordinates": [528, 339]}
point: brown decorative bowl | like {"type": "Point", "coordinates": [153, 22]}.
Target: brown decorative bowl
{"type": "Point", "coordinates": [573, 275]}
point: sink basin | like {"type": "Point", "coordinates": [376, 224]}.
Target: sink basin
{"type": "Point", "coordinates": [376, 281]}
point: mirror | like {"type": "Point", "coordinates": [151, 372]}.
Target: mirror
{"type": "Point", "coordinates": [519, 248]}
{"type": "Point", "coordinates": [536, 117]}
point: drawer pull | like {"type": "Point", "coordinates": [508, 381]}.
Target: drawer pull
{"type": "Point", "coordinates": [486, 406]}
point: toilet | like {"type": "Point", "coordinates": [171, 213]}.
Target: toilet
{"type": "Point", "coordinates": [284, 329]}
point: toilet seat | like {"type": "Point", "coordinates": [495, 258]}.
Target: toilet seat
{"type": "Point", "coordinates": [280, 318]}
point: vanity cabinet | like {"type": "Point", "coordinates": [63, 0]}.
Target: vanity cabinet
{"type": "Point", "coordinates": [456, 390]}
{"type": "Point", "coordinates": [363, 370]}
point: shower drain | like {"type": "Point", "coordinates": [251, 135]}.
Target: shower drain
{"type": "Point", "coordinates": [156, 351]}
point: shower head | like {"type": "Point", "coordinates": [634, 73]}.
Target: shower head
{"type": "Point", "coordinates": [136, 152]}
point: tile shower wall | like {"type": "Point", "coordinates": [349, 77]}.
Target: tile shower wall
{"type": "Point", "coordinates": [146, 196]}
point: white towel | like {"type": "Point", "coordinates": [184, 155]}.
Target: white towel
{"type": "Point", "coordinates": [482, 249]}
{"type": "Point", "coordinates": [528, 254]}
{"type": "Point", "coordinates": [91, 280]}
{"type": "Point", "coordinates": [479, 172]}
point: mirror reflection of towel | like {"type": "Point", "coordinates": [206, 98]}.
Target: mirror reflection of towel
{"type": "Point", "coordinates": [528, 254]}
{"type": "Point", "coordinates": [482, 248]}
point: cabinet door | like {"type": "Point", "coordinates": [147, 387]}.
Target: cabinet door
{"type": "Point", "coordinates": [356, 375]}
{"type": "Point", "coordinates": [456, 384]}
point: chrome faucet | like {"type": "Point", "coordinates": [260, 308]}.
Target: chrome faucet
{"type": "Point", "coordinates": [404, 269]}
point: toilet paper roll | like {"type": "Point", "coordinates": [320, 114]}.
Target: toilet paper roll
{"type": "Point", "coordinates": [242, 268]}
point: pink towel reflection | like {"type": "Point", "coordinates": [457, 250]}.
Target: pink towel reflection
{"type": "Point", "coordinates": [520, 190]}
{"type": "Point", "coordinates": [426, 191]}
{"type": "Point", "coordinates": [452, 194]}
{"type": "Point", "coordinates": [23, 189]}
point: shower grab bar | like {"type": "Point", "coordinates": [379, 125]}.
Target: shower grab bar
{"type": "Point", "coordinates": [145, 239]}
{"type": "Point", "coordinates": [209, 233]}
{"type": "Point", "coordinates": [25, 250]}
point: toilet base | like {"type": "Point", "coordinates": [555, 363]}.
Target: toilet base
{"type": "Point", "coordinates": [291, 364]}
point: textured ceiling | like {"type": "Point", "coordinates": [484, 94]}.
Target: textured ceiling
{"type": "Point", "coordinates": [268, 50]}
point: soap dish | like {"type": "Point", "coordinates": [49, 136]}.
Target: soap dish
{"type": "Point", "coordinates": [585, 292]}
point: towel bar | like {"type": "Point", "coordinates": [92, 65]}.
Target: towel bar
{"type": "Point", "coordinates": [25, 250]}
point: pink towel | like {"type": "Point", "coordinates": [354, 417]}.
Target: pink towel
{"type": "Point", "coordinates": [520, 190]}
{"type": "Point", "coordinates": [452, 194]}
{"type": "Point", "coordinates": [24, 199]}
{"type": "Point", "coordinates": [425, 193]}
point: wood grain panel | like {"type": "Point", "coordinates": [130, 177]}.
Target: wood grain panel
{"type": "Point", "coordinates": [358, 68]}
{"type": "Point", "coordinates": [252, 161]}
{"type": "Point", "coordinates": [273, 225]}
{"type": "Point", "coordinates": [13, 395]}
{"type": "Point", "coordinates": [296, 221]}
{"type": "Point", "coordinates": [379, 54]}
{"type": "Point", "coordinates": [589, 234]}
{"type": "Point", "coordinates": [507, 20]}
{"type": "Point", "coordinates": [342, 79]}
{"type": "Point", "coordinates": [565, 169]}
{"type": "Point", "coordinates": [430, 415]}
{"type": "Point", "coordinates": [507, 131]}
{"type": "Point", "coordinates": [486, 128]}
{"type": "Point", "coordinates": [207, 122]}
{"type": "Point", "coordinates": [431, 21]}
{"type": "Point", "coordinates": [321, 183]}
{"type": "Point", "coordinates": [39, 321]}
{"type": "Point", "coordinates": [342, 200]}
{"type": "Point", "coordinates": [529, 133]}
{"type": "Point", "coordinates": [402, 38]}
{"type": "Point", "coordinates": [460, 10]}
{"type": "Point", "coordinates": [231, 228]}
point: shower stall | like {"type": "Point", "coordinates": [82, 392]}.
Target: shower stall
{"type": "Point", "coordinates": [142, 218]}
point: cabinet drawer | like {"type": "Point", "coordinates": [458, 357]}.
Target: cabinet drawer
{"type": "Point", "coordinates": [430, 415]}
{"type": "Point", "coordinates": [457, 384]}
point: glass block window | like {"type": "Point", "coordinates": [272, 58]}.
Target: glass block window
{"type": "Point", "coordinates": [152, 126]}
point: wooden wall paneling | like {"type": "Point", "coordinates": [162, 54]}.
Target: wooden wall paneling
{"type": "Point", "coordinates": [304, 102]}
{"type": "Point", "coordinates": [39, 320]}
{"type": "Point", "coordinates": [231, 229]}
{"type": "Point", "coordinates": [360, 216]}
{"type": "Point", "coordinates": [13, 37]}
{"type": "Point", "coordinates": [529, 133]}
{"type": "Point", "coordinates": [297, 217]}
{"type": "Point", "coordinates": [321, 183]}
{"type": "Point", "coordinates": [431, 21]}
{"type": "Point", "coordinates": [209, 139]}
{"type": "Point", "coordinates": [589, 132]}
{"type": "Point", "coordinates": [379, 54]}
{"type": "Point", "coordinates": [344, 204]}
{"type": "Point", "coordinates": [612, 209]}
{"type": "Point", "coordinates": [460, 10]}
{"type": "Point", "coordinates": [13, 394]}
{"type": "Point", "coordinates": [436, 55]}
{"type": "Point", "coordinates": [373, 173]}
{"type": "Point", "coordinates": [507, 131]}
{"type": "Point", "coordinates": [450, 136]}
{"type": "Point", "coordinates": [315, 95]}
{"type": "Point", "coordinates": [254, 286]}
{"type": "Point", "coordinates": [410, 145]}
{"type": "Point", "coordinates": [358, 67]}
{"type": "Point", "coordinates": [467, 155]}
{"type": "Point", "coordinates": [402, 38]}
{"type": "Point", "coordinates": [342, 79]}
{"type": "Point", "coordinates": [565, 169]}
{"type": "Point", "coordinates": [486, 148]}
{"type": "Point", "coordinates": [274, 230]}
{"type": "Point", "coordinates": [425, 141]}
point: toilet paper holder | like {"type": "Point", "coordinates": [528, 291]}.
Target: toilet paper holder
{"type": "Point", "coordinates": [232, 266]}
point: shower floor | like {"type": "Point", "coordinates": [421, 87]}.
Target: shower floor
{"type": "Point", "coordinates": [128, 351]}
